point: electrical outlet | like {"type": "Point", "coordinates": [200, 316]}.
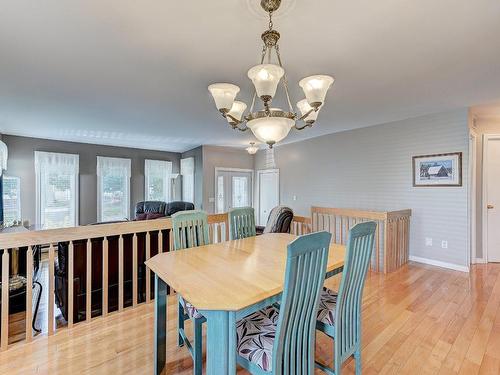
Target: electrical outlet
{"type": "Point", "coordinates": [211, 200]}
{"type": "Point", "coordinates": [444, 244]}
{"type": "Point", "coordinates": [428, 241]}
{"type": "Point", "coordinates": [294, 197]}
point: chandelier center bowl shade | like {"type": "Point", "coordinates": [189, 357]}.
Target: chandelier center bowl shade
{"type": "Point", "coordinates": [271, 125]}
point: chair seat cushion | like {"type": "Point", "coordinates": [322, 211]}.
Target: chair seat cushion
{"type": "Point", "coordinates": [327, 306]}
{"type": "Point", "coordinates": [192, 311]}
{"type": "Point", "coordinates": [255, 337]}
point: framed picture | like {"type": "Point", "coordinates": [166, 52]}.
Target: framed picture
{"type": "Point", "coordinates": [437, 170]}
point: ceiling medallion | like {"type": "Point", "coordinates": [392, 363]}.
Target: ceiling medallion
{"type": "Point", "coordinates": [271, 125]}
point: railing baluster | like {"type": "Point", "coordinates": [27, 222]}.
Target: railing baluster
{"type": "Point", "coordinates": [148, 271]}
{"type": "Point", "coordinates": [134, 270]}
{"type": "Point", "coordinates": [120, 273]}
{"type": "Point", "coordinates": [4, 341]}
{"type": "Point", "coordinates": [71, 256]}
{"type": "Point", "coordinates": [160, 242]}
{"type": "Point", "coordinates": [105, 257]}
{"type": "Point", "coordinates": [88, 293]}
{"type": "Point", "coordinates": [29, 293]}
{"type": "Point", "coordinates": [51, 302]}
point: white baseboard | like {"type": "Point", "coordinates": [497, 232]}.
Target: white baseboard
{"type": "Point", "coordinates": [480, 261]}
{"type": "Point", "coordinates": [438, 263]}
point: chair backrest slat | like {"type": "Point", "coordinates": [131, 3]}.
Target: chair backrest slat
{"type": "Point", "coordinates": [348, 309]}
{"type": "Point", "coordinates": [241, 223]}
{"type": "Point", "coordinates": [190, 229]}
{"type": "Point", "coordinates": [304, 278]}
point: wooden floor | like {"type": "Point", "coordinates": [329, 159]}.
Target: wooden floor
{"type": "Point", "coordinates": [418, 320]}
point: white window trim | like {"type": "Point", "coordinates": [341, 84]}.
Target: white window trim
{"type": "Point", "coordinates": [168, 179]}
{"type": "Point", "coordinates": [127, 164]}
{"type": "Point", "coordinates": [39, 191]}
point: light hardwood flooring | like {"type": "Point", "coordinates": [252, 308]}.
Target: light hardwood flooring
{"type": "Point", "coordinates": [417, 320]}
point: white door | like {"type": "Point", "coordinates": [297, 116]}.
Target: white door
{"type": "Point", "coordinates": [268, 185]}
{"type": "Point", "coordinates": [232, 189]}
{"type": "Point", "coordinates": [492, 201]}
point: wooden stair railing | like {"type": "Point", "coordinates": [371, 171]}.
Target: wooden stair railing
{"type": "Point", "coordinates": [391, 239]}
{"type": "Point", "coordinates": [218, 225]}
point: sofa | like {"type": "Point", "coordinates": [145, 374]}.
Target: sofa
{"type": "Point", "coordinates": [148, 210]}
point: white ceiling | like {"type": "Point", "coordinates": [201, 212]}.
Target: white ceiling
{"type": "Point", "coordinates": [135, 73]}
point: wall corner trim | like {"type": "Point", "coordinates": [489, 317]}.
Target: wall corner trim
{"type": "Point", "coordinates": [438, 263]}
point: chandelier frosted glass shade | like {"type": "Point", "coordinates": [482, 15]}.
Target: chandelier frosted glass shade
{"type": "Point", "coordinates": [224, 95]}
{"type": "Point", "coordinates": [270, 129]}
{"type": "Point", "coordinates": [304, 108]}
{"type": "Point", "coordinates": [315, 88]}
{"type": "Point", "coordinates": [236, 111]}
{"type": "Point", "coordinates": [252, 149]}
{"type": "Point", "coordinates": [265, 78]}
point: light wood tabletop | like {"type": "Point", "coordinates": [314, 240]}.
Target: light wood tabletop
{"type": "Point", "coordinates": [231, 275]}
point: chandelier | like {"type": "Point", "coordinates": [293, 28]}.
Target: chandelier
{"type": "Point", "coordinates": [271, 125]}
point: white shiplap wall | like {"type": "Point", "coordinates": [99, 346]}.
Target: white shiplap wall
{"type": "Point", "coordinates": [370, 168]}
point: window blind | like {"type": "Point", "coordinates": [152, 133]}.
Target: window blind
{"type": "Point", "coordinates": [187, 173]}
{"type": "Point", "coordinates": [11, 200]}
{"type": "Point", "coordinates": [56, 189]}
{"type": "Point", "coordinates": [157, 178]}
{"type": "Point", "coordinates": [113, 188]}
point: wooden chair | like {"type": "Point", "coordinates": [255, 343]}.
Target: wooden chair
{"type": "Point", "coordinates": [241, 223]}
{"type": "Point", "coordinates": [282, 340]}
{"type": "Point", "coordinates": [190, 229]}
{"type": "Point", "coordinates": [339, 315]}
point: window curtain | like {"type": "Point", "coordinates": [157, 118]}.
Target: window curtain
{"type": "Point", "coordinates": [113, 188]}
{"type": "Point", "coordinates": [57, 189]}
{"type": "Point", "coordinates": [157, 177]}
{"type": "Point", "coordinates": [114, 167]}
{"type": "Point", "coordinates": [187, 173]}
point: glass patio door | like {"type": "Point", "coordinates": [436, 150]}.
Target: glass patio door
{"type": "Point", "coordinates": [233, 189]}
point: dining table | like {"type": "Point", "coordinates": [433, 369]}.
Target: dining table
{"type": "Point", "coordinates": [225, 281]}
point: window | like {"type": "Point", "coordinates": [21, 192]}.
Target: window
{"type": "Point", "coordinates": [56, 189]}
{"type": "Point", "coordinates": [240, 191]}
{"type": "Point", "coordinates": [113, 188]}
{"type": "Point", "coordinates": [187, 173]}
{"type": "Point", "coordinates": [157, 174]}
{"type": "Point", "coordinates": [11, 200]}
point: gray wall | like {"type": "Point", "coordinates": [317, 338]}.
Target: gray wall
{"type": "Point", "coordinates": [21, 164]}
{"type": "Point", "coordinates": [371, 168]}
{"type": "Point", "coordinates": [197, 154]}
{"type": "Point", "coordinates": [228, 157]}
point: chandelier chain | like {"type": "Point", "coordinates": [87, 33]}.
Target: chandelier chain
{"type": "Point", "coordinates": [270, 21]}
{"type": "Point", "coordinates": [285, 79]}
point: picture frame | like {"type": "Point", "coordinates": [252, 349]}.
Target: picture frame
{"type": "Point", "coordinates": [437, 170]}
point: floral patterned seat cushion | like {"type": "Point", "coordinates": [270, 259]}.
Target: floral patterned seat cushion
{"type": "Point", "coordinates": [255, 337]}
{"type": "Point", "coordinates": [327, 306]}
{"type": "Point", "coordinates": [192, 311]}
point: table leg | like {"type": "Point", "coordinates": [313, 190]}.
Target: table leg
{"type": "Point", "coordinates": [221, 342]}
{"type": "Point", "coordinates": [160, 325]}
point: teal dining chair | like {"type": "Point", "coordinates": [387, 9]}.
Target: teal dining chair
{"type": "Point", "coordinates": [281, 340]}
{"type": "Point", "coordinates": [190, 229]}
{"type": "Point", "coordinates": [339, 314]}
{"type": "Point", "coordinates": [241, 223]}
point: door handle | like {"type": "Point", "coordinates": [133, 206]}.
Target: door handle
{"type": "Point", "coordinates": [490, 207]}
